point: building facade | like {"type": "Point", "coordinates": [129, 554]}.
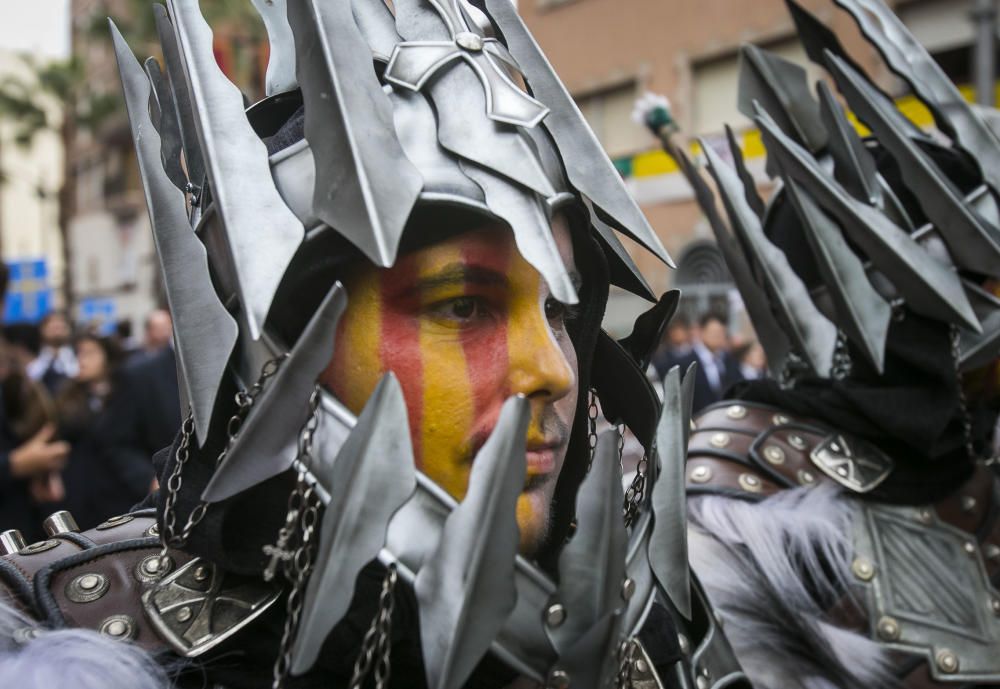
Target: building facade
{"type": "Point", "coordinates": [609, 52]}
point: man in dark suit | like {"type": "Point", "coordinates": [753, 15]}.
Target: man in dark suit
{"type": "Point", "coordinates": [142, 417]}
{"type": "Point", "coordinates": [717, 367]}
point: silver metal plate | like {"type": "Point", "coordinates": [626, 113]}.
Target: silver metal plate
{"type": "Point", "coordinates": [858, 466]}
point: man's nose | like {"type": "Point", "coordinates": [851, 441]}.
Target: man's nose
{"type": "Point", "coordinates": [538, 367]}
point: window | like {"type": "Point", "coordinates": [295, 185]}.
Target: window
{"type": "Point", "coordinates": [609, 112]}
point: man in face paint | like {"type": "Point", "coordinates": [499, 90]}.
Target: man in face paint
{"type": "Point", "coordinates": [464, 324]}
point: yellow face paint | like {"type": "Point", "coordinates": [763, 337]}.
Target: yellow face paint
{"type": "Point", "coordinates": [465, 324]}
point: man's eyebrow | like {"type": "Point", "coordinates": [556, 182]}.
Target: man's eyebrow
{"type": "Point", "coordinates": [461, 274]}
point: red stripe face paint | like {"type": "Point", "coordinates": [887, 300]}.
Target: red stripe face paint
{"type": "Point", "coordinates": [464, 324]}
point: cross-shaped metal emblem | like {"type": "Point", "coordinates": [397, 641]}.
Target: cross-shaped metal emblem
{"type": "Point", "coordinates": [413, 63]}
{"type": "Point", "coordinates": [854, 464]}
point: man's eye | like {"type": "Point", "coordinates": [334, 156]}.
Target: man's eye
{"type": "Point", "coordinates": [460, 309]}
{"type": "Point", "coordinates": [463, 308]}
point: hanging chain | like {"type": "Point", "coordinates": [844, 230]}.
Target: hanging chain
{"type": "Point", "coordinates": [842, 364]}
{"type": "Point", "coordinates": [626, 654]}
{"type": "Point", "coordinates": [592, 414]}
{"type": "Point", "coordinates": [637, 489]}
{"type": "Point", "coordinates": [377, 642]}
{"type": "Point", "coordinates": [301, 523]}
{"type": "Point", "coordinates": [956, 357]}
{"type": "Point", "coordinates": [244, 401]}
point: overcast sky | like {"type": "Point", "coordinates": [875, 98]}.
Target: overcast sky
{"type": "Point", "coordinates": [40, 27]}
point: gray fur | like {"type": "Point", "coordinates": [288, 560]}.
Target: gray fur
{"type": "Point", "coordinates": [755, 560]}
{"type": "Point", "coordinates": [77, 658]}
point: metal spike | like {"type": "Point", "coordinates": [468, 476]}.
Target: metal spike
{"type": "Point", "coordinates": [592, 570]}
{"type": "Point", "coordinates": [280, 76]}
{"type": "Point", "coordinates": [854, 166]}
{"type": "Point", "coordinates": [929, 287]}
{"type": "Point", "coordinates": [668, 550]}
{"type": "Point", "coordinates": [458, 99]}
{"type": "Point", "coordinates": [813, 335]}
{"type": "Point", "coordinates": [377, 25]}
{"type": "Point", "coordinates": [371, 478]}
{"type": "Point", "coordinates": [166, 124]}
{"type": "Point", "coordinates": [526, 215]}
{"type": "Point", "coordinates": [749, 183]}
{"type": "Point", "coordinates": [978, 350]}
{"type": "Point", "coordinates": [205, 333]}
{"type": "Point", "coordinates": [623, 271]}
{"type": "Point", "coordinates": [350, 129]}
{"type": "Point", "coordinates": [466, 590]}
{"type": "Point", "coordinates": [647, 333]}
{"type": "Point", "coordinates": [970, 241]}
{"type": "Point", "coordinates": [243, 192]}
{"type": "Point", "coordinates": [783, 89]}
{"type": "Point", "coordinates": [265, 446]}
{"type": "Point", "coordinates": [860, 311]}
{"type": "Point", "coordinates": [906, 57]}
{"type": "Point", "coordinates": [193, 160]}
{"type": "Point", "coordinates": [587, 165]}
{"type": "Point", "coordinates": [771, 335]}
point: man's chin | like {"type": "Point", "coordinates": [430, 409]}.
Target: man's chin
{"type": "Point", "coordinates": [533, 520]}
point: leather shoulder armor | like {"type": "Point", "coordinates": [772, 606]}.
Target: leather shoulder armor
{"type": "Point", "coordinates": [751, 451]}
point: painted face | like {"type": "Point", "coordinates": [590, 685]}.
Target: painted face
{"type": "Point", "coordinates": [465, 324]}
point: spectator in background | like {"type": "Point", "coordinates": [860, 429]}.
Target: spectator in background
{"type": "Point", "coordinates": [717, 367]}
{"type": "Point", "coordinates": [753, 363]}
{"type": "Point", "coordinates": [127, 342]}
{"type": "Point", "coordinates": [95, 487]}
{"type": "Point", "coordinates": [56, 362]}
{"type": "Point", "coordinates": [23, 342]}
{"type": "Point", "coordinates": [157, 331]}
{"type": "Point", "coordinates": [677, 345]}
{"type": "Point", "coordinates": [144, 411]}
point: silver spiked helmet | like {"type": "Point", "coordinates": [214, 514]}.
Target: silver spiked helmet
{"type": "Point", "coordinates": [423, 105]}
{"type": "Point", "coordinates": [890, 227]}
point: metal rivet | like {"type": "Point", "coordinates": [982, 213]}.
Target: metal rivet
{"type": "Point", "coordinates": [842, 471]}
{"type": "Point", "coordinates": [774, 454]}
{"type": "Point", "coordinates": [780, 420]}
{"type": "Point", "coordinates": [925, 515]}
{"type": "Point", "coordinates": [968, 503]}
{"type": "Point", "coordinates": [719, 440]}
{"type": "Point", "coordinates": [995, 605]}
{"type": "Point", "coordinates": [683, 642]}
{"type": "Point", "coordinates": [628, 589]}
{"type": "Point", "coordinates": [750, 483]}
{"type": "Point", "coordinates": [184, 614]}
{"type": "Point", "coordinates": [701, 474]}
{"type": "Point", "coordinates": [115, 521]}
{"type": "Point", "coordinates": [559, 680]}
{"type": "Point", "coordinates": [60, 522]}
{"type": "Point", "coordinates": [992, 552]}
{"type": "Point", "coordinates": [11, 541]}
{"type": "Point", "coordinates": [888, 629]}
{"type": "Point", "coordinates": [87, 587]}
{"type": "Point", "coordinates": [39, 547]}
{"type": "Point", "coordinates": [835, 447]}
{"type": "Point", "coordinates": [152, 568]}
{"type": "Point", "coordinates": [200, 573]}
{"type": "Point", "coordinates": [555, 615]}
{"type": "Point", "coordinates": [946, 661]}
{"type": "Point", "coordinates": [640, 666]}
{"type": "Point", "coordinates": [736, 412]}
{"type": "Point", "coordinates": [806, 478]}
{"type": "Point", "coordinates": [863, 569]}
{"type": "Point", "coordinates": [797, 441]}
{"type": "Point", "coordinates": [969, 547]}
{"type": "Point", "coordinates": [469, 40]}
{"type": "Point", "coordinates": [153, 531]}
{"type": "Point", "coordinates": [26, 634]}
{"type": "Point", "coordinates": [118, 627]}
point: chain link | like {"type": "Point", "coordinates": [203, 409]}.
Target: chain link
{"type": "Point", "coordinates": [377, 642]}
{"type": "Point", "coordinates": [244, 401]}
{"type": "Point", "coordinates": [626, 654]}
{"type": "Point", "coordinates": [956, 356]}
{"type": "Point", "coordinates": [592, 414]}
{"type": "Point", "coordinates": [301, 524]}
{"type": "Point", "coordinates": [842, 364]}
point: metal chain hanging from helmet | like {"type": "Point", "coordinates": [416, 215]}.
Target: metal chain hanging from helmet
{"type": "Point", "coordinates": [301, 524]}
{"type": "Point", "coordinates": [842, 364]}
{"type": "Point", "coordinates": [637, 489]}
{"type": "Point", "coordinates": [377, 642]}
{"type": "Point", "coordinates": [245, 399]}
{"type": "Point", "coordinates": [626, 653]}
{"type": "Point", "coordinates": [592, 413]}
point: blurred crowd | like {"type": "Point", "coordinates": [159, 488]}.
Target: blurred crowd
{"type": "Point", "coordinates": [722, 359]}
{"type": "Point", "coordinates": [81, 413]}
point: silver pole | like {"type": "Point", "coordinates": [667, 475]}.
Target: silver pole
{"type": "Point", "coordinates": [984, 17]}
